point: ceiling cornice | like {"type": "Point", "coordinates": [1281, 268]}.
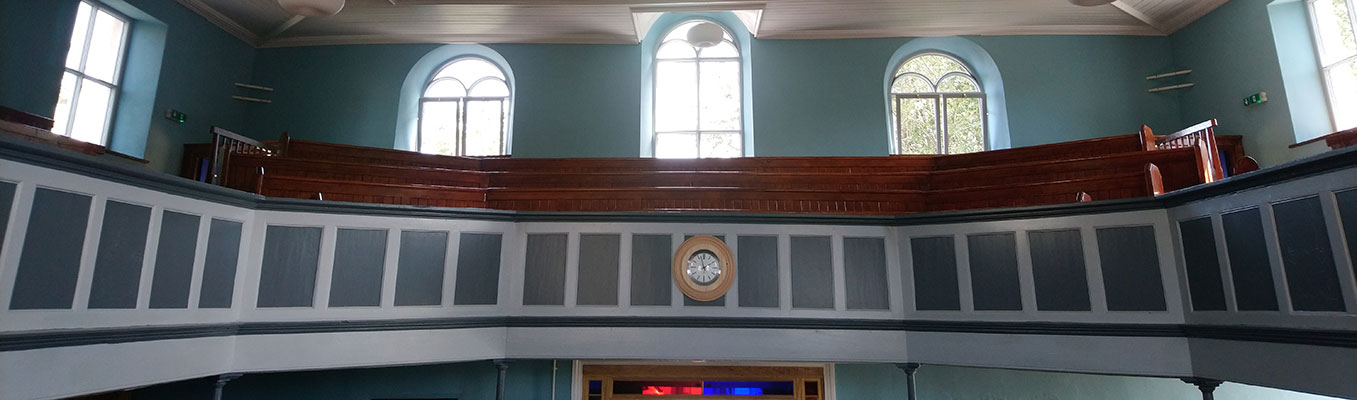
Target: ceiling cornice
{"type": "Point", "coordinates": [221, 21]}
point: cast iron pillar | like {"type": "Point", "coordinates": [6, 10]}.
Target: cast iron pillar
{"type": "Point", "coordinates": [1207, 386]}
{"type": "Point", "coordinates": [909, 369]}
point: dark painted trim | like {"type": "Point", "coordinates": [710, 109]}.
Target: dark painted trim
{"type": "Point", "coordinates": [73, 162]}
{"type": "Point", "coordinates": [84, 337]}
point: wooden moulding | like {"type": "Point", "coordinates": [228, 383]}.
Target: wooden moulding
{"type": "Point", "coordinates": [1154, 182]}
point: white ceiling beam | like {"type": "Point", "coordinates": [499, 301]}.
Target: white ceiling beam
{"type": "Point", "coordinates": [1137, 14]}
{"type": "Point", "coordinates": [221, 21]}
{"type": "Point", "coordinates": [283, 27]}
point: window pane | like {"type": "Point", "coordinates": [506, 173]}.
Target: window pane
{"type": "Point", "coordinates": [64, 99]}
{"type": "Point", "coordinates": [918, 125]}
{"type": "Point", "coordinates": [676, 145]}
{"type": "Point", "coordinates": [438, 128]}
{"type": "Point", "coordinates": [681, 32]}
{"type": "Point", "coordinates": [958, 84]}
{"type": "Point", "coordinates": [469, 70]}
{"type": "Point", "coordinates": [723, 49]}
{"type": "Point", "coordinates": [445, 88]}
{"type": "Point", "coordinates": [82, 25]}
{"type": "Point", "coordinates": [490, 88]}
{"type": "Point", "coordinates": [1343, 94]}
{"type": "Point", "coordinates": [932, 66]}
{"type": "Point", "coordinates": [1334, 30]}
{"type": "Point", "coordinates": [675, 96]}
{"type": "Point", "coordinates": [911, 84]}
{"type": "Point", "coordinates": [720, 145]}
{"type": "Point", "coordinates": [91, 112]}
{"type": "Point", "coordinates": [484, 124]}
{"type": "Point", "coordinates": [676, 49]}
{"type": "Point", "coordinates": [965, 130]}
{"type": "Point", "coordinates": [105, 46]}
{"type": "Point", "coordinates": [720, 93]}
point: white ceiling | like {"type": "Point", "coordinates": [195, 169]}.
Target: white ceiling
{"type": "Point", "coordinates": [263, 23]}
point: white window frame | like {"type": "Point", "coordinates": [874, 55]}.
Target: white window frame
{"type": "Point", "coordinates": [462, 101]}
{"type": "Point", "coordinates": [81, 77]}
{"type": "Point", "coordinates": [697, 61]}
{"type": "Point", "coordinates": [1325, 68]}
{"type": "Point", "coordinates": [940, 102]}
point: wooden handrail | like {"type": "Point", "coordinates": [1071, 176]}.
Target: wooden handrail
{"type": "Point", "coordinates": [1203, 136]}
{"type": "Point", "coordinates": [226, 143]}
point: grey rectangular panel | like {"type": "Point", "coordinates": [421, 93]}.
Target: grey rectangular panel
{"type": "Point", "coordinates": [420, 267]}
{"type": "Point", "coordinates": [651, 280]}
{"type": "Point", "coordinates": [173, 273]}
{"type": "Point", "coordinates": [544, 270]}
{"type": "Point", "coordinates": [864, 274]}
{"type": "Point", "coordinates": [1130, 264]}
{"type": "Point", "coordinates": [757, 278]}
{"type": "Point", "coordinates": [360, 255]}
{"type": "Point", "coordinates": [1204, 283]}
{"type": "Point", "coordinates": [599, 256]}
{"type": "Point", "coordinates": [50, 261]}
{"type": "Point", "coordinates": [1250, 268]}
{"type": "Point", "coordinates": [6, 202]}
{"type": "Point", "coordinates": [935, 274]}
{"type": "Point", "coordinates": [122, 248]}
{"type": "Point", "coordinates": [1347, 212]}
{"type": "Point", "coordinates": [1311, 274]}
{"type": "Point", "coordinates": [812, 272]}
{"type": "Point", "coordinates": [719, 301]}
{"type": "Point", "coordinates": [478, 269]}
{"type": "Point", "coordinates": [287, 276]}
{"type": "Point", "coordinates": [1058, 270]}
{"type": "Point", "coordinates": [219, 265]}
{"type": "Point", "coordinates": [994, 271]}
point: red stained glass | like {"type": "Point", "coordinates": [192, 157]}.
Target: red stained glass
{"type": "Point", "coordinates": [671, 390]}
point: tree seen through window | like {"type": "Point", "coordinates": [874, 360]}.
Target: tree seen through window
{"type": "Point", "coordinates": [936, 107]}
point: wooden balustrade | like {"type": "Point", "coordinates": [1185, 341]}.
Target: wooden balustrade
{"type": "Point", "coordinates": [1102, 169]}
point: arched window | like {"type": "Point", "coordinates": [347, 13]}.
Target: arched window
{"type": "Point", "coordinates": [697, 94]}
{"type": "Point", "coordinates": [937, 107]}
{"type": "Point", "coordinates": [464, 110]}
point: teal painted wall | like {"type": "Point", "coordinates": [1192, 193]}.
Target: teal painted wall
{"type": "Point", "coordinates": [462, 381]}
{"type": "Point", "coordinates": [886, 382]}
{"type": "Point", "coordinates": [199, 66]}
{"type": "Point", "coordinates": [1233, 52]}
{"type": "Point", "coordinates": [818, 98]}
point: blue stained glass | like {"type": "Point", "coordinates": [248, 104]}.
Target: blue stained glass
{"type": "Point", "coordinates": [720, 388]}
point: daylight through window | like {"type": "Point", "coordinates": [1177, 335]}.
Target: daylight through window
{"type": "Point", "coordinates": [697, 97]}
{"type": "Point", "coordinates": [89, 86]}
{"type": "Point", "coordinates": [937, 107]}
{"type": "Point", "coordinates": [1333, 23]}
{"type": "Point", "coordinates": [465, 110]}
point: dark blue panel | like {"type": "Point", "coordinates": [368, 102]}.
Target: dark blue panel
{"type": "Point", "coordinates": [812, 272]}
{"type": "Point", "coordinates": [758, 271]}
{"type": "Point", "coordinates": [478, 269]}
{"type": "Point", "coordinates": [599, 255]}
{"type": "Point", "coordinates": [122, 247]}
{"type": "Point", "coordinates": [219, 265]}
{"type": "Point", "coordinates": [1311, 274]}
{"type": "Point", "coordinates": [360, 255]}
{"type": "Point", "coordinates": [864, 274]}
{"type": "Point", "coordinates": [287, 277]}
{"type": "Point", "coordinates": [994, 272]}
{"type": "Point", "coordinates": [1058, 270]}
{"type": "Point", "coordinates": [1250, 268]}
{"type": "Point", "coordinates": [173, 273]}
{"type": "Point", "coordinates": [1130, 263]}
{"type": "Point", "coordinates": [651, 281]}
{"type": "Point", "coordinates": [50, 261]}
{"type": "Point", "coordinates": [935, 275]}
{"type": "Point", "coordinates": [1203, 265]}
{"type": "Point", "coordinates": [544, 270]}
{"type": "Point", "coordinates": [420, 268]}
